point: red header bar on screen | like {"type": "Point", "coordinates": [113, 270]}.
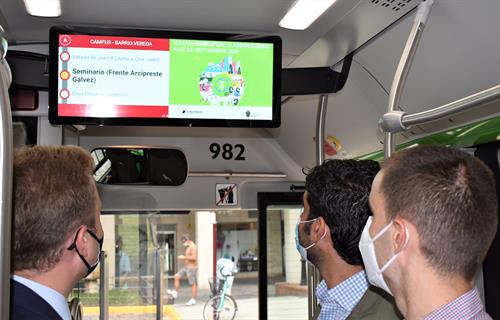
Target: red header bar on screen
{"type": "Point", "coordinates": [115, 111]}
{"type": "Point", "coordinates": [112, 42]}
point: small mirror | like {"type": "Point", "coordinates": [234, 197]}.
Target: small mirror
{"type": "Point", "coordinates": [137, 165]}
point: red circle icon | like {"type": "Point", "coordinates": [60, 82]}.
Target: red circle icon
{"type": "Point", "coordinates": [64, 94]}
{"type": "Point", "coordinates": [65, 56]}
{"type": "Point", "coordinates": [64, 40]}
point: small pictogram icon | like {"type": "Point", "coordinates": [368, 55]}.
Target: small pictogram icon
{"type": "Point", "coordinates": [226, 194]}
{"type": "Point", "coordinates": [64, 40]}
{"type": "Point", "coordinates": [64, 94]}
{"type": "Point", "coordinates": [64, 75]}
{"type": "Point", "coordinates": [65, 56]}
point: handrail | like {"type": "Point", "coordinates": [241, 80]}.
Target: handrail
{"type": "Point", "coordinates": [404, 66]}
{"type": "Point", "coordinates": [398, 121]}
{"type": "Point", "coordinates": [312, 272]}
{"type": "Point", "coordinates": [6, 167]}
{"type": "Point", "coordinates": [231, 174]}
{"type": "Point", "coordinates": [452, 107]}
{"type": "Point", "coordinates": [320, 128]}
{"type": "Point", "coordinates": [103, 286]}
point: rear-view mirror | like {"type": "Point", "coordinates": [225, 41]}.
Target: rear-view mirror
{"type": "Point", "coordinates": [139, 165]}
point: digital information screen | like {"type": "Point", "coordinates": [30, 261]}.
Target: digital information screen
{"type": "Point", "coordinates": [103, 77]}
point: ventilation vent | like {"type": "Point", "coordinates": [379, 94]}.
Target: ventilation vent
{"type": "Point", "coordinates": [394, 5]}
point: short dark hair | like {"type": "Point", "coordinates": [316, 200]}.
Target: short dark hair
{"type": "Point", "coordinates": [449, 195]}
{"type": "Point", "coordinates": [54, 194]}
{"type": "Point", "coordinates": [338, 191]}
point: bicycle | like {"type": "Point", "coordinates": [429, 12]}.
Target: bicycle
{"type": "Point", "coordinates": [221, 306]}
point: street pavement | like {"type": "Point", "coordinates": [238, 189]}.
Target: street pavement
{"type": "Point", "coordinates": [244, 291]}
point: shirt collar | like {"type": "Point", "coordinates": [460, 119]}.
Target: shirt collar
{"type": "Point", "coordinates": [347, 293]}
{"type": "Point", "coordinates": [55, 299]}
{"type": "Point", "coordinates": [463, 307]}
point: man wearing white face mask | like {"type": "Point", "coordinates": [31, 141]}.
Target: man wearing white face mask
{"type": "Point", "coordinates": [434, 218]}
{"type": "Point", "coordinates": [327, 234]}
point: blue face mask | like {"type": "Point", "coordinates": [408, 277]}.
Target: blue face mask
{"type": "Point", "coordinates": [300, 248]}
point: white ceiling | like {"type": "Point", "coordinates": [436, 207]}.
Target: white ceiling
{"type": "Point", "coordinates": [459, 54]}
{"type": "Point", "coordinates": [248, 16]}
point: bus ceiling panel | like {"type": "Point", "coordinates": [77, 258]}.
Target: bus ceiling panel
{"type": "Point", "coordinates": [209, 154]}
{"type": "Point", "coordinates": [241, 16]}
{"type": "Point", "coordinates": [367, 19]}
{"type": "Point", "coordinates": [351, 121]}
{"type": "Point", "coordinates": [157, 131]}
{"type": "Point", "coordinates": [457, 55]}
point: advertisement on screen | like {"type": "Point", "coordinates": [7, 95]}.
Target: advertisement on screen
{"type": "Point", "coordinates": [163, 79]}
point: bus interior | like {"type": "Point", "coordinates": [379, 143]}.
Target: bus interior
{"type": "Point", "coordinates": [364, 79]}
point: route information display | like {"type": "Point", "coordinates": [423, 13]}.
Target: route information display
{"type": "Point", "coordinates": [137, 77]}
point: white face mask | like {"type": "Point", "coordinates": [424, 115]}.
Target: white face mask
{"type": "Point", "coordinates": [373, 272]}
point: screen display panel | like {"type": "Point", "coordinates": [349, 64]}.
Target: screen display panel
{"type": "Point", "coordinates": [150, 77]}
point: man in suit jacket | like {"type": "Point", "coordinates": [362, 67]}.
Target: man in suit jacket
{"type": "Point", "coordinates": [327, 234]}
{"type": "Point", "coordinates": [57, 230]}
{"type": "Point", "coordinates": [434, 218]}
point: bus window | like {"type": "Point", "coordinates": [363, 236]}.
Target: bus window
{"type": "Point", "coordinates": [132, 239]}
{"type": "Point", "coordinates": [286, 274]}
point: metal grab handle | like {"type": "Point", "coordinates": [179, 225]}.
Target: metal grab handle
{"type": "Point", "coordinates": [312, 272]}
{"type": "Point", "coordinates": [103, 286]}
{"type": "Point", "coordinates": [398, 121]}
{"type": "Point", "coordinates": [159, 283]}
{"type": "Point", "coordinates": [6, 167]}
{"type": "Point", "coordinates": [404, 66]}
{"type": "Point", "coordinates": [452, 107]}
{"type": "Point", "coordinates": [320, 128]}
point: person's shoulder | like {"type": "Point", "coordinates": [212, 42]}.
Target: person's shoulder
{"type": "Point", "coordinates": [26, 304]}
{"type": "Point", "coordinates": [21, 312]}
{"type": "Point", "coordinates": [376, 304]}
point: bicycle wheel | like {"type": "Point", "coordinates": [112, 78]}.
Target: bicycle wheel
{"type": "Point", "coordinates": [226, 312]}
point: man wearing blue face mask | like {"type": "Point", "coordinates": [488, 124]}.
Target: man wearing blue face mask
{"type": "Point", "coordinates": [57, 233]}
{"type": "Point", "coordinates": [434, 218]}
{"type": "Point", "coordinates": [327, 235]}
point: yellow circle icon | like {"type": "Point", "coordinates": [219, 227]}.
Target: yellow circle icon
{"type": "Point", "coordinates": [64, 75]}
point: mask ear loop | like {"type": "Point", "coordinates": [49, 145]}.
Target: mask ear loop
{"type": "Point", "coordinates": [388, 263]}
{"type": "Point", "coordinates": [313, 244]}
{"type": "Point", "coordinates": [73, 246]}
{"type": "Point", "coordinates": [381, 232]}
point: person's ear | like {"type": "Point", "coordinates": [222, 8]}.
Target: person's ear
{"type": "Point", "coordinates": [318, 228]}
{"type": "Point", "coordinates": [401, 235]}
{"type": "Point", "coordinates": [82, 240]}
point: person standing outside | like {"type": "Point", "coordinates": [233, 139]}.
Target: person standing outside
{"type": "Point", "coordinates": [57, 233]}
{"type": "Point", "coordinates": [122, 265]}
{"type": "Point", "coordinates": [189, 270]}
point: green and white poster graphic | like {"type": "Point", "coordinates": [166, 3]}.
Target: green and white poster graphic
{"type": "Point", "coordinates": [221, 73]}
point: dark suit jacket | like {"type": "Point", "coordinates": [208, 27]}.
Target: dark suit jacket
{"type": "Point", "coordinates": [376, 304]}
{"type": "Point", "coordinates": [27, 305]}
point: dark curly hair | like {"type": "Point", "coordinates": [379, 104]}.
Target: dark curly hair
{"type": "Point", "coordinates": [338, 191]}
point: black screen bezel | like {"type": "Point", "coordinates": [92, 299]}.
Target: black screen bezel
{"type": "Point", "coordinates": [54, 118]}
